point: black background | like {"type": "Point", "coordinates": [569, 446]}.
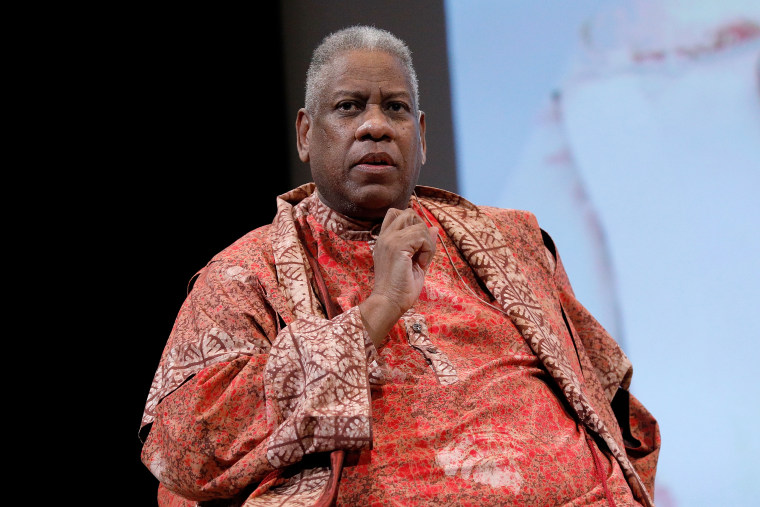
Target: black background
{"type": "Point", "coordinates": [174, 122]}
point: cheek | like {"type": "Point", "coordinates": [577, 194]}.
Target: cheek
{"type": "Point", "coordinates": [335, 143]}
{"type": "Point", "coordinates": [412, 141]}
{"type": "Point", "coordinates": [325, 146]}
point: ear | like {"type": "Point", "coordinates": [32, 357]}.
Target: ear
{"type": "Point", "coordinates": [423, 145]}
{"type": "Point", "coordinates": [303, 134]}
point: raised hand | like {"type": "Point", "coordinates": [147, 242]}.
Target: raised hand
{"type": "Point", "coordinates": [404, 250]}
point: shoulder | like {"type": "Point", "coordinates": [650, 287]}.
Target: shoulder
{"type": "Point", "coordinates": [511, 218]}
{"type": "Point", "coordinates": [518, 228]}
{"type": "Point", "coordinates": [521, 227]}
{"type": "Point", "coordinates": [515, 223]}
{"type": "Point", "coordinates": [247, 258]}
{"type": "Point", "coordinates": [502, 216]}
{"type": "Point", "coordinates": [254, 244]}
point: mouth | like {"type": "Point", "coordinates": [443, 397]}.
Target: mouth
{"type": "Point", "coordinates": [375, 162]}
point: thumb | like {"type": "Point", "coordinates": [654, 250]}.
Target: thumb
{"type": "Point", "coordinates": [434, 233]}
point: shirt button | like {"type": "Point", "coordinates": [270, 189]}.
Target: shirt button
{"type": "Point", "coordinates": [416, 327]}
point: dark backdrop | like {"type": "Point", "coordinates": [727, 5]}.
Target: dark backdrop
{"type": "Point", "coordinates": [194, 154]}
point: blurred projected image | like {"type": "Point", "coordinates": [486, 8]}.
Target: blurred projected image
{"type": "Point", "coordinates": [644, 165]}
{"type": "Point", "coordinates": [632, 130]}
{"type": "Point", "coordinates": [659, 94]}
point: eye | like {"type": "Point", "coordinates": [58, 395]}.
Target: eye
{"type": "Point", "coordinates": [347, 106]}
{"type": "Point", "coordinates": [397, 107]}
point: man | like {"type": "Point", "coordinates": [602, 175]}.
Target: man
{"type": "Point", "coordinates": [381, 343]}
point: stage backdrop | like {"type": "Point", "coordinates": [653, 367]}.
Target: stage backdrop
{"type": "Point", "coordinates": [632, 130]}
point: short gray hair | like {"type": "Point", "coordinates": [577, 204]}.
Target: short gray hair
{"type": "Point", "coordinates": [358, 37]}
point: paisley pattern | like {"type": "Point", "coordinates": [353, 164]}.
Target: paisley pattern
{"type": "Point", "coordinates": [317, 390]}
{"type": "Point", "coordinates": [253, 400]}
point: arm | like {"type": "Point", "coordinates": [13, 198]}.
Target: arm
{"type": "Point", "coordinates": [260, 408]}
{"type": "Point", "coordinates": [640, 431]}
{"type": "Point", "coordinates": [251, 408]}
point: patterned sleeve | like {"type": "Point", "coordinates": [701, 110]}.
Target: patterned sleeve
{"type": "Point", "coordinates": [235, 401]}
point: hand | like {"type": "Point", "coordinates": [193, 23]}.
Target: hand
{"type": "Point", "coordinates": [403, 253]}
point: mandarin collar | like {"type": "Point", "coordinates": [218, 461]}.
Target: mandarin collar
{"type": "Point", "coordinates": [345, 227]}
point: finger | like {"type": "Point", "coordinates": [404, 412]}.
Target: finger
{"type": "Point", "coordinates": [401, 220]}
{"type": "Point", "coordinates": [390, 216]}
{"type": "Point", "coordinates": [411, 217]}
{"type": "Point", "coordinates": [426, 250]}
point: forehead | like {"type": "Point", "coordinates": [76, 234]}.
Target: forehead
{"type": "Point", "coordinates": [362, 69]}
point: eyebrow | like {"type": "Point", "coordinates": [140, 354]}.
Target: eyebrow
{"type": "Point", "coordinates": [386, 96]}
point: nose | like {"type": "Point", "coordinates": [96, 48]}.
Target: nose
{"type": "Point", "coordinates": [375, 126]}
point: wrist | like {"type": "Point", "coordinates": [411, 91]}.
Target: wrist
{"type": "Point", "coordinates": [379, 315]}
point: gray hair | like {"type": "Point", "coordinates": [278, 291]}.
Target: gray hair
{"type": "Point", "coordinates": [356, 37]}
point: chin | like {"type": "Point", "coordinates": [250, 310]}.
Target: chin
{"type": "Point", "coordinates": [367, 202]}
{"type": "Point", "coordinates": [377, 208]}
{"type": "Point", "coordinates": [364, 212]}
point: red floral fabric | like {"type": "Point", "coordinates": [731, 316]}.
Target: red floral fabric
{"type": "Point", "coordinates": [481, 392]}
{"type": "Point", "coordinates": [467, 414]}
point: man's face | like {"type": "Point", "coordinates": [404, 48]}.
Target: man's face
{"type": "Point", "coordinates": [364, 143]}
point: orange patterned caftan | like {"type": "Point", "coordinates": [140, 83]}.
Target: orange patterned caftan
{"type": "Point", "coordinates": [495, 388]}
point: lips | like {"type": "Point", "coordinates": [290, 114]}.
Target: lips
{"type": "Point", "coordinates": [379, 159]}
